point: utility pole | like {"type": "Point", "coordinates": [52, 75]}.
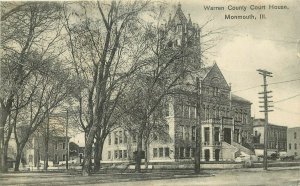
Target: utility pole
{"type": "Point", "coordinates": [47, 141]}
{"type": "Point", "coordinates": [198, 128]}
{"type": "Point", "coordinates": [67, 141]}
{"type": "Point", "coordinates": [266, 110]}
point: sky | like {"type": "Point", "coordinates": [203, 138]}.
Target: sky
{"type": "Point", "coordinates": [271, 44]}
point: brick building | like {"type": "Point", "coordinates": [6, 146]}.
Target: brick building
{"type": "Point", "coordinates": [226, 125]}
{"type": "Point", "coordinates": [293, 142]}
{"type": "Point", "coordinates": [277, 137]}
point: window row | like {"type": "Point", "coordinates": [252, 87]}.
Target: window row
{"type": "Point", "coordinates": [215, 91]}
{"type": "Point", "coordinates": [189, 133]}
{"type": "Point", "coordinates": [118, 154]}
{"type": "Point", "coordinates": [211, 112]}
{"type": "Point", "coordinates": [240, 115]}
{"type": "Point", "coordinates": [274, 145]}
{"type": "Point", "coordinates": [184, 152]}
{"type": "Point", "coordinates": [185, 111]}
{"type": "Point", "coordinates": [63, 145]}
{"type": "Point", "coordinates": [119, 137]}
{"type": "Point", "coordinates": [276, 134]}
{"type": "Point", "coordinates": [161, 152]}
{"type": "Point", "coordinates": [290, 146]}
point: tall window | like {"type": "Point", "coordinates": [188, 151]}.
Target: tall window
{"type": "Point", "coordinates": [193, 112]}
{"type": "Point", "coordinates": [116, 137]}
{"type": "Point", "coordinates": [125, 154]}
{"type": "Point", "coordinates": [193, 133]}
{"type": "Point", "coordinates": [109, 155]}
{"type": "Point", "coordinates": [218, 112]}
{"type": "Point", "coordinates": [181, 131]}
{"type": "Point", "coordinates": [30, 158]}
{"type": "Point", "coordinates": [181, 152]}
{"type": "Point", "coordinates": [187, 152]}
{"type": "Point", "coordinates": [187, 133]}
{"type": "Point", "coordinates": [125, 136]}
{"type": "Point", "coordinates": [55, 158]}
{"type": "Point", "coordinates": [167, 152]}
{"type": "Point", "coordinates": [295, 146]}
{"type": "Point", "coordinates": [167, 111]}
{"type": "Point", "coordinates": [109, 139]}
{"type": "Point", "coordinates": [63, 145]}
{"type": "Point", "coordinates": [217, 133]}
{"type": "Point", "coordinates": [134, 138]}
{"type": "Point", "coordinates": [295, 135]}
{"type": "Point", "coordinates": [154, 152]}
{"type": "Point", "coordinates": [56, 145]}
{"type": "Point", "coordinates": [206, 134]}
{"type": "Point", "coordinates": [116, 154]}
{"type": "Point", "coordinates": [185, 111]}
{"type": "Point", "coordinates": [216, 91]}
{"type": "Point", "coordinates": [161, 152]}
{"type": "Point", "coordinates": [120, 136]}
{"type": "Point", "coordinates": [64, 157]}
{"type": "Point", "coordinates": [120, 154]}
{"type": "Point", "coordinates": [207, 112]}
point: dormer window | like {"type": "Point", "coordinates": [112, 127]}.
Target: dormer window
{"type": "Point", "coordinates": [216, 91]}
{"type": "Point", "coordinates": [179, 28]}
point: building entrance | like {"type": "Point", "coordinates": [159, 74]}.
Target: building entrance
{"type": "Point", "coordinates": [206, 154]}
{"type": "Point", "coordinates": [217, 154]}
{"type": "Point", "coordinates": [227, 135]}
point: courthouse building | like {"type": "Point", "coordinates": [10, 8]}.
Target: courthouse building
{"type": "Point", "coordinates": [226, 118]}
{"type": "Point", "coordinates": [293, 142]}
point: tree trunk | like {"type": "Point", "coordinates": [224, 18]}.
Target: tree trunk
{"type": "Point", "coordinates": [98, 155]}
{"type": "Point", "coordinates": [86, 168]}
{"type": "Point", "coordinates": [146, 145]}
{"type": "Point", "coordinates": [3, 118]}
{"type": "Point", "coordinates": [4, 165]}
{"type": "Point", "coordinates": [20, 148]}
{"type": "Point", "coordinates": [5, 149]}
{"type": "Point", "coordinates": [139, 152]}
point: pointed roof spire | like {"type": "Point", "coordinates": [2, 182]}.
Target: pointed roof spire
{"type": "Point", "coordinates": [190, 20]}
{"type": "Point", "coordinates": [179, 17]}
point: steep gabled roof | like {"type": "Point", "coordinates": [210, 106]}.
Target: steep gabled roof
{"type": "Point", "coordinates": [203, 72]}
{"type": "Point", "coordinates": [179, 17]}
{"type": "Point", "coordinates": [239, 99]}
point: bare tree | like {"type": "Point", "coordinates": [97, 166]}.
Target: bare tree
{"type": "Point", "coordinates": [167, 65]}
{"type": "Point", "coordinates": [51, 90]}
{"type": "Point", "coordinates": [99, 61]}
{"type": "Point", "coordinates": [29, 32]}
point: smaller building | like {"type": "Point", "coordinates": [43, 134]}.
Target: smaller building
{"type": "Point", "coordinates": [277, 137]}
{"type": "Point", "coordinates": [34, 152]}
{"type": "Point", "coordinates": [293, 142]}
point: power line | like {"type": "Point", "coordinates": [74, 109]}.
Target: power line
{"type": "Point", "coordinates": [246, 89]}
{"type": "Point", "coordinates": [287, 110]}
{"type": "Point", "coordinates": [285, 99]}
{"type": "Point", "coordinates": [279, 82]}
{"type": "Point", "coordinates": [284, 81]}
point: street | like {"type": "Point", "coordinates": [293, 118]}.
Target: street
{"type": "Point", "coordinates": [274, 176]}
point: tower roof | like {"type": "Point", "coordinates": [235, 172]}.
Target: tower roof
{"type": "Point", "coordinates": [179, 17]}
